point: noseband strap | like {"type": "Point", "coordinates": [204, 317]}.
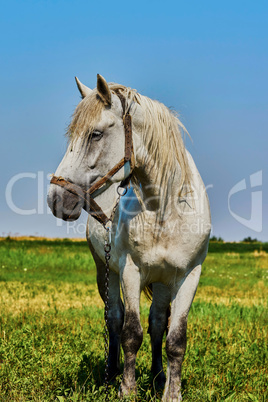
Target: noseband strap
{"type": "Point", "coordinates": [89, 204]}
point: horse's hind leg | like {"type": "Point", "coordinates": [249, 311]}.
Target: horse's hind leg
{"type": "Point", "coordinates": [158, 320]}
{"type": "Point", "coordinates": [182, 298]}
{"type": "Point", "coordinates": [115, 314]}
{"type": "Point", "coordinates": [132, 333]}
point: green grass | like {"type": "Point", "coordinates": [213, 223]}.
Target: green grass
{"type": "Point", "coordinates": [31, 261]}
{"type": "Point", "coordinates": [51, 326]}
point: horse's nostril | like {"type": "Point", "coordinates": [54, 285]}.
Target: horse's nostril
{"type": "Point", "coordinates": [58, 198]}
{"type": "Point", "coordinates": [56, 201]}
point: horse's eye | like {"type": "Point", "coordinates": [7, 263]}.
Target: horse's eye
{"type": "Point", "coordinates": [97, 135]}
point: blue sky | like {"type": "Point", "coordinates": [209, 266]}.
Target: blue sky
{"type": "Point", "coordinates": [207, 60]}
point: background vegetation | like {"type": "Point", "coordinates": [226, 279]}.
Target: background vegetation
{"type": "Point", "coordinates": [51, 326]}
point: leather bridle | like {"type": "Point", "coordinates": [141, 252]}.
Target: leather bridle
{"type": "Point", "coordinates": [89, 204]}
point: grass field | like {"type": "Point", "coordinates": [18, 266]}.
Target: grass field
{"type": "Point", "coordinates": [51, 326]}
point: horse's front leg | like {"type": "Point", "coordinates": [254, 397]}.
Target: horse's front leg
{"type": "Point", "coordinates": [182, 297]}
{"type": "Point", "coordinates": [132, 333]}
{"type": "Point", "coordinates": [115, 323]}
{"type": "Point", "coordinates": [115, 314]}
{"type": "Point", "coordinates": [158, 320]}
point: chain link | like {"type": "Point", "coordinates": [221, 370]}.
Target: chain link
{"type": "Point", "coordinates": [107, 251]}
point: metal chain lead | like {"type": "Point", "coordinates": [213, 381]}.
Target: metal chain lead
{"type": "Point", "coordinates": [107, 251]}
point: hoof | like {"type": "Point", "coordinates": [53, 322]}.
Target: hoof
{"type": "Point", "coordinates": [125, 390]}
{"type": "Point", "coordinates": [167, 397]}
{"type": "Point", "coordinates": [177, 399]}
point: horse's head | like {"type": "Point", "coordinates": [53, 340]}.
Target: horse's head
{"type": "Point", "coordinates": [96, 144]}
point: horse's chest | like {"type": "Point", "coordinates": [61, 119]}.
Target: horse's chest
{"type": "Point", "coordinates": [164, 247]}
{"type": "Point", "coordinates": [159, 250]}
{"type": "Point", "coordinates": [153, 245]}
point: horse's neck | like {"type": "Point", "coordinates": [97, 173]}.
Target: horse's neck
{"type": "Point", "coordinates": [150, 184]}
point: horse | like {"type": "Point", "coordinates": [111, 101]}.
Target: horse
{"type": "Point", "coordinates": [159, 230]}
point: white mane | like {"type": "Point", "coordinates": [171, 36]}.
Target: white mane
{"type": "Point", "coordinates": [162, 137]}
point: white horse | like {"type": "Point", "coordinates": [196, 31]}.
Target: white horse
{"type": "Point", "coordinates": [160, 230]}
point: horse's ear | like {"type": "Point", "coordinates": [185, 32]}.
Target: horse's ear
{"type": "Point", "coordinates": [84, 91]}
{"type": "Point", "coordinates": [103, 90]}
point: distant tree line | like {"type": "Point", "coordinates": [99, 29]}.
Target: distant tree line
{"type": "Point", "coordinates": [245, 240]}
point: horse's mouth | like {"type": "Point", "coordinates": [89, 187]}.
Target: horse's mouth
{"type": "Point", "coordinates": [63, 204]}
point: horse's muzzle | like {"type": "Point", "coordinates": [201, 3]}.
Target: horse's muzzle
{"type": "Point", "coordinates": [64, 204]}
